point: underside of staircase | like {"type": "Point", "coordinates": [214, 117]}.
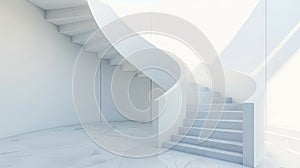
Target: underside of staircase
{"type": "Point", "coordinates": [74, 19]}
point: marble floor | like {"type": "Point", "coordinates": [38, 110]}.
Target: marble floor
{"type": "Point", "coordinates": [70, 147]}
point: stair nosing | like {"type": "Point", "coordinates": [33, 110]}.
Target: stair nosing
{"type": "Point", "coordinates": [217, 104]}
{"type": "Point", "coordinates": [226, 111]}
{"type": "Point", "coordinates": [221, 120]}
{"type": "Point", "coordinates": [230, 142]}
{"type": "Point", "coordinates": [217, 129]}
{"type": "Point", "coordinates": [236, 154]}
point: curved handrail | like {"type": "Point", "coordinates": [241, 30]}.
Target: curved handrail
{"type": "Point", "coordinates": [132, 46]}
{"type": "Point", "coordinates": [239, 85]}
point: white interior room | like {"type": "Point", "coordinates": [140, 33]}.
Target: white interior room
{"type": "Point", "coordinates": [66, 104]}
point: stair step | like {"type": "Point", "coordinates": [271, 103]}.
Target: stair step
{"type": "Point", "coordinates": [205, 151]}
{"type": "Point", "coordinates": [206, 100]}
{"type": "Point", "coordinates": [224, 134]}
{"type": "Point", "coordinates": [58, 4]}
{"type": "Point", "coordinates": [111, 54]}
{"type": "Point", "coordinates": [97, 36]}
{"type": "Point", "coordinates": [197, 92]}
{"type": "Point", "coordinates": [215, 107]}
{"type": "Point", "coordinates": [82, 38]}
{"type": "Point", "coordinates": [117, 61]}
{"type": "Point", "coordinates": [88, 38]}
{"type": "Point", "coordinates": [233, 146]}
{"type": "Point", "coordinates": [141, 75]}
{"type": "Point", "coordinates": [204, 95]}
{"type": "Point", "coordinates": [192, 87]}
{"type": "Point", "coordinates": [96, 45]}
{"type": "Point", "coordinates": [69, 15]}
{"type": "Point", "coordinates": [77, 28]}
{"type": "Point", "coordinates": [223, 124]}
{"type": "Point", "coordinates": [127, 67]}
{"type": "Point", "coordinates": [225, 115]}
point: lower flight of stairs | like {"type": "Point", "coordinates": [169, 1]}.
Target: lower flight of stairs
{"type": "Point", "coordinates": [225, 142]}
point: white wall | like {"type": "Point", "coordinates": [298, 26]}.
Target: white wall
{"type": "Point", "coordinates": [283, 95]}
{"type": "Point", "coordinates": [36, 65]}
{"type": "Point", "coordinates": [138, 93]}
{"type": "Point", "coordinates": [109, 111]}
{"type": "Point", "coordinates": [283, 41]}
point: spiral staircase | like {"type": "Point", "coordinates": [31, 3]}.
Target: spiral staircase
{"type": "Point", "coordinates": [228, 140]}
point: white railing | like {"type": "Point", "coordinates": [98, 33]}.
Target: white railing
{"type": "Point", "coordinates": [248, 135]}
{"type": "Point", "coordinates": [170, 109]}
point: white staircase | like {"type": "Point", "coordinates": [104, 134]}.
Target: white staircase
{"type": "Point", "coordinates": [226, 140]}
{"type": "Point", "coordinates": [74, 18]}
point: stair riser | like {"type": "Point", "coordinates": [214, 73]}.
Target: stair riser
{"type": "Point", "coordinates": [128, 68]}
{"type": "Point", "coordinates": [68, 15]}
{"type": "Point", "coordinates": [141, 75]}
{"type": "Point", "coordinates": [226, 107]}
{"type": "Point", "coordinates": [108, 56]}
{"type": "Point", "coordinates": [224, 115]}
{"type": "Point", "coordinates": [63, 21]}
{"type": "Point", "coordinates": [220, 156]}
{"type": "Point", "coordinates": [193, 89]}
{"type": "Point", "coordinates": [96, 47]}
{"type": "Point", "coordinates": [118, 61]}
{"type": "Point", "coordinates": [208, 100]}
{"type": "Point", "coordinates": [78, 28]}
{"type": "Point", "coordinates": [58, 4]}
{"type": "Point", "coordinates": [221, 124]}
{"type": "Point", "coordinates": [210, 144]}
{"type": "Point", "coordinates": [203, 95]}
{"type": "Point", "coordinates": [231, 136]}
{"type": "Point", "coordinates": [82, 38]}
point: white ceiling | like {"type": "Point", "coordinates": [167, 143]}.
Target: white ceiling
{"type": "Point", "coordinates": [219, 20]}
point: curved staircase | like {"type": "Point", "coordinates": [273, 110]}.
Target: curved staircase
{"type": "Point", "coordinates": [227, 141]}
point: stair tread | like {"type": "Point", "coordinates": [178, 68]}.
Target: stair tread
{"type": "Point", "coordinates": [212, 97]}
{"type": "Point", "coordinates": [207, 149]}
{"type": "Point", "coordinates": [215, 107]}
{"type": "Point", "coordinates": [217, 104]}
{"type": "Point", "coordinates": [222, 120]}
{"type": "Point", "coordinates": [237, 143]}
{"type": "Point", "coordinates": [74, 29]}
{"type": "Point", "coordinates": [68, 15]}
{"type": "Point", "coordinates": [217, 129]}
{"type": "Point", "coordinates": [226, 111]}
{"type": "Point", "coordinates": [82, 38]}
